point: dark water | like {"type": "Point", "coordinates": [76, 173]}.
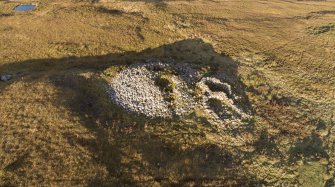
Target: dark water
{"type": "Point", "coordinates": [25, 7]}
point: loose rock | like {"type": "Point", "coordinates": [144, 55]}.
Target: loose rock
{"type": "Point", "coordinates": [136, 91]}
{"type": "Point", "coordinates": [5, 77]}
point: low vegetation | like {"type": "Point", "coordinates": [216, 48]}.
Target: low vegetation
{"type": "Point", "coordinates": [166, 85]}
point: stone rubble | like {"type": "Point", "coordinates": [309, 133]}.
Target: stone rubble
{"type": "Point", "coordinates": [226, 97]}
{"type": "Point", "coordinates": [134, 89]}
{"type": "Point", "coordinates": [5, 77]}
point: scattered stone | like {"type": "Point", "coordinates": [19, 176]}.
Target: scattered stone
{"type": "Point", "coordinates": [136, 90]}
{"type": "Point", "coordinates": [225, 107]}
{"type": "Point", "coordinates": [5, 77]}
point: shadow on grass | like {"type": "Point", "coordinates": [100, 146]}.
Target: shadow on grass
{"type": "Point", "coordinates": [120, 137]}
{"type": "Point", "coordinates": [266, 145]}
{"type": "Point", "coordinates": [17, 163]}
{"type": "Point", "coordinates": [157, 3]}
{"type": "Point", "coordinates": [134, 150]}
{"type": "Point", "coordinates": [310, 148]}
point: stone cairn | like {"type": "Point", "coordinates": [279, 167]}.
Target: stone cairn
{"type": "Point", "coordinates": [135, 90]}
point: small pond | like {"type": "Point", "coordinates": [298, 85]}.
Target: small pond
{"type": "Point", "coordinates": [22, 8]}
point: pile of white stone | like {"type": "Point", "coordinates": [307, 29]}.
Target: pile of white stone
{"type": "Point", "coordinates": [134, 89]}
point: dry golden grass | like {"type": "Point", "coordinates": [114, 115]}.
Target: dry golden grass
{"type": "Point", "coordinates": [58, 127]}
